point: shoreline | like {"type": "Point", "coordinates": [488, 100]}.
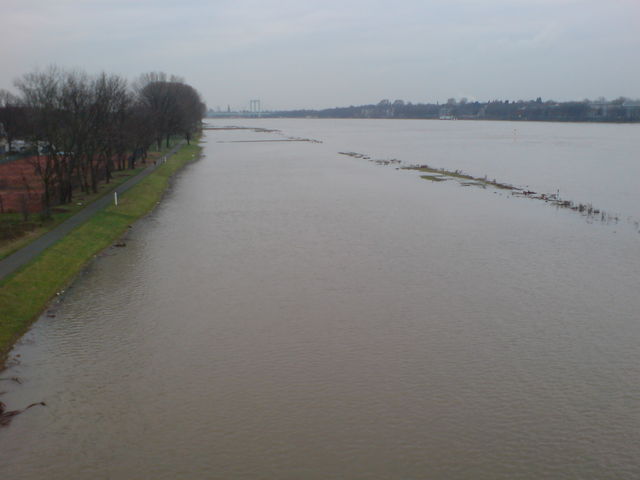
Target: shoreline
{"type": "Point", "coordinates": [510, 120]}
{"type": "Point", "coordinates": [27, 292]}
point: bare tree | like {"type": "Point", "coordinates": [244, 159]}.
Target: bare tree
{"type": "Point", "coordinates": [173, 106]}
{"type": "Point", "coordinates": [84, 127]}
{"type": "Point", "coordinates": [112, 108]}
{"type": "Point", "coordinates": [12, 117]}
{"type": "Point", "coordinates": [40, 93]}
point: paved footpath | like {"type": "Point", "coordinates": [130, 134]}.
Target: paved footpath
{"type": "Point", "coordinates": [27, 253]}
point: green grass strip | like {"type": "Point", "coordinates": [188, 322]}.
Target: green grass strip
{"type": "Point", "coordinates": [25, 294]}
{"type": "Point", "coordinates": [59, 214]}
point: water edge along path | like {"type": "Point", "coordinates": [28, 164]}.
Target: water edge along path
{"type": "Point", "coordinates": [27, 253]}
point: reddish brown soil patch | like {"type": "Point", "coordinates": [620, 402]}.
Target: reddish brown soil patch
{"type": "Point", "coordinates": [20, 186]}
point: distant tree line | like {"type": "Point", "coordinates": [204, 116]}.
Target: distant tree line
{"type": "Point", "coordinates": [81, 128]}
{"type": "Point", "coordinates": [601, 110]}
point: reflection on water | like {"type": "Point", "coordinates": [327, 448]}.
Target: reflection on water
{"type": "Point", "coordinates": [288, 312]}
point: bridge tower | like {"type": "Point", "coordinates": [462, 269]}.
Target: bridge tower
{"type": "Point", "coordinates": [255, 107]}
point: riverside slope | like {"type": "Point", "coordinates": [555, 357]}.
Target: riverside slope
{"type": "Point", "coordinates": [23, 256]}
{"type": "Point", "coordinates": [25, 293]}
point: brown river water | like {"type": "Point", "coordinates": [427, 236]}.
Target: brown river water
{"type": "Point", "coordinates": [291, 313]}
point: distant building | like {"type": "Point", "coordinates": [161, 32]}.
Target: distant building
{"type": "Point", "coordinates": [446, 113]}
{"type": "Point", "coordinates": [632, 109]}
{"type": "Point", "coordinates": [598, 110]}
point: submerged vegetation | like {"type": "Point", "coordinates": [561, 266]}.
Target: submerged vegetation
{"type": "Point", "coordinates": [433, 178]}
{"type": "Point", "coordinates": [261, 130]}
{"type": "Point", "coordinates": [7, 415]}
{"type": "Point", "coordinates": [464, 179]}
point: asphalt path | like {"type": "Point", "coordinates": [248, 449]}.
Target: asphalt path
{"type": "Point", "coordinates": [21, 257]}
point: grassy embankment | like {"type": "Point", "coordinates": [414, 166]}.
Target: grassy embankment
{"type": "Point", "coordinates": [16, 232]}
{"type": "Point", "coordinates": [25, 294]}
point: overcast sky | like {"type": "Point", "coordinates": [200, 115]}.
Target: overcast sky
{"type": "Point", "coordinates": [324, 53]}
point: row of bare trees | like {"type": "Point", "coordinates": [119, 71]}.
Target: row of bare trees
{"type": "Point", "coordinates": [85, 127]}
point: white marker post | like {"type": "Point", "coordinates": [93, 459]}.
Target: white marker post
{"type": "Point", "coordinates": [115, 198]}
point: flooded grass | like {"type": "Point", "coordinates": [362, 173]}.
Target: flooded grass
{"type": "Point", "coordinates": [235, 127]}
{"type": "Point", "coordinates": [272, 140]}
{"type": "Point", "coordinates": [436, 175]}
{"type": "Point", "coordinates": [261, 130]}
{"type": "Point", "coordinates": [433, 178]}
{"type": "Point", "coordinates": [466, 180]}
{"type": "Point", "coordinates": [460, 175]}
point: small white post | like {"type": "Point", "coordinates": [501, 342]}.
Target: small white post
{"type": "Point", "coordinates": [115, 198]}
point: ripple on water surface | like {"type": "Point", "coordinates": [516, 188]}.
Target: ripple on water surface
{"type": "Point", "coordinates": [290, 313]}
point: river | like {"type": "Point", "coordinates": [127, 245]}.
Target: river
{"type": "Point", "coordinates": [288, 312]}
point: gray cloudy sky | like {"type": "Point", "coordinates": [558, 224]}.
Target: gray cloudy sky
{"type": "Point", "coordinates": [324, 53]}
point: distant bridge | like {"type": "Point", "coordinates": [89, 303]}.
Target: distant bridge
{"type": "Point", "coordinates": [255, 111]}
{"type": "Point", "coordinates": [242, 114]}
